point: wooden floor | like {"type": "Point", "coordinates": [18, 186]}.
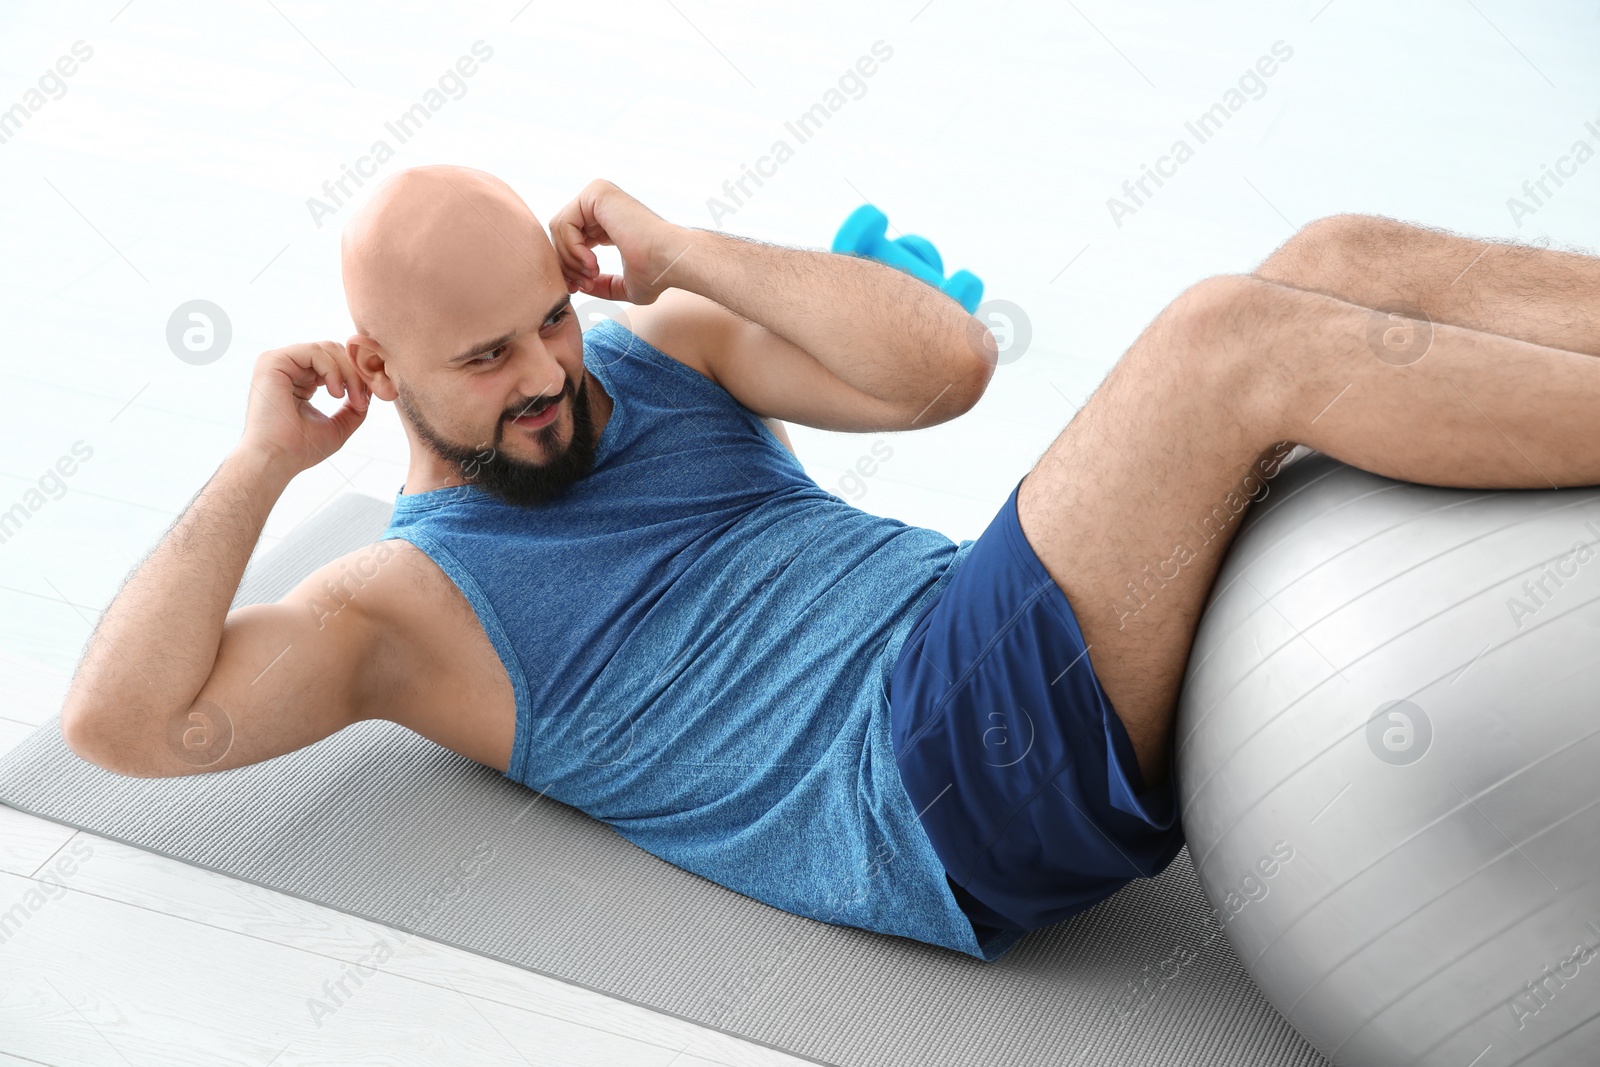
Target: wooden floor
{"type": "Point", "coordinates": [177, 162]}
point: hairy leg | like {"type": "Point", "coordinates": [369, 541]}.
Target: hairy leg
{"type": "Point", "coordinates": [1535, 294]}
{"type": "Point", "coordinates": [1133, 506]}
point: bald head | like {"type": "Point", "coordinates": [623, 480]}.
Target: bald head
{"type": "Point", "coordinates": [442, 252]}
{"type": "Point", "coordinates": [463, 319]}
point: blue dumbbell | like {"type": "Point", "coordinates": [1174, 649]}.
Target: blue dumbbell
{"type": "Point", "coordinates": [864, 234]}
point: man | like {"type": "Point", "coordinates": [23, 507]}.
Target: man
{"type": "Point", "coordinates": [606, 578]}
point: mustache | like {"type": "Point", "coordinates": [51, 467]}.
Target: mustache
{"type": "Point", "coordinates": [539, 403]}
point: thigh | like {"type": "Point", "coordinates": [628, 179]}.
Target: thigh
{"type": "Point", "coordinates": [1023, 778]}
{"type": "Point", "coordinates": [1130, 511]}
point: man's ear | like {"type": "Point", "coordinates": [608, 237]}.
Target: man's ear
{"type": "Point", "coordinates": [372, 364]}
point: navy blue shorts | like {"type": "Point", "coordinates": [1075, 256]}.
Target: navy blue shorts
{"type": "Point", "coordinates": [1023, 775]}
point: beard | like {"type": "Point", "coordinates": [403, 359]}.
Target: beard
{"type": "Point", "coordinates": [516, 481]}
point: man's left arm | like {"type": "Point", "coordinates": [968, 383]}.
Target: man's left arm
{"type": "Point", "coordinates": [833, 341]}
{"type": "Point", "coordinates": [827, 340]}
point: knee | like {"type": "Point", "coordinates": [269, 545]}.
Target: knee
{"type": "Point", "coordinates": [1329, 247]}
{"type": "Point", "coordinates": [1218, 331]}
{"type": "Point", "coordinates": [1213, 319]}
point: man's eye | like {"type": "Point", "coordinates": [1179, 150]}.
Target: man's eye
{"type": "Point", "coordinates": [555, 320]}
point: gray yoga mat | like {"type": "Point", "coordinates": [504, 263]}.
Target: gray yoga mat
{"type": "Point", "coordinates": [379, 822]}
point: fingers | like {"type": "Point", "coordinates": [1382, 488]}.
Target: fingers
{"type": "Point", "coordinates": [608, 287]}
{"type": "Point", "coordinates": [359, 395]}
{"type": "Point", "coordinates": [605, 286]}
{"type": "Point", "coordinates": [337, 372]}
{"type": "Point", "coordinates": [280, 417]}
{"type": "Point", "coordinates": [605, 214]}
{"type": "Point", "coordinates": [320, 363]}
{"type": "Point", "coordinates": [572, 243]}
{"type": "Point", "coordinates": [573, 230]}
{"type": "Point", "coordinates": [348, 419]}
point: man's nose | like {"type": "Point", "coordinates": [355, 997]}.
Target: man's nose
{"type": "Point", "coordinates": [540, 376]}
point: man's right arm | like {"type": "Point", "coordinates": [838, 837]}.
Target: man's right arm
{"type": "Point", "coordinates": [173, 683]}
{"type": "Point", "coordinates": [168, 666]}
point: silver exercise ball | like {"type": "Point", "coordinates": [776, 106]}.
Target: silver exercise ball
{"type": "Point", "coordinates": [1389, 766]}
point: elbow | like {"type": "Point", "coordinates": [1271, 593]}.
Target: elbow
{"type": "Point", "coordinates": [963, 387]}
{"type": "Point", "coordinates": [85, 735]}
{"type": "Point", "coordinates": [980, 356]}
{"type": "Point", "coordinates": [79, 732]}
{"type": "Point", "coordinates": [982, 372]}
{"type": "Point", "coordinates": [971, 376]}
{"type": "Point", "coordinates": [75, 731]}
{"type": "Point", "coordinates": [966, 371]}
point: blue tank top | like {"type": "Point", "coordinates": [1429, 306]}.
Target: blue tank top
{"type": "Point", "coordinates": [700, 640]}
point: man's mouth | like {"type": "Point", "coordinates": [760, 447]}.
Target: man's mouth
{"type": "Point", "coordinates": [540, 413]}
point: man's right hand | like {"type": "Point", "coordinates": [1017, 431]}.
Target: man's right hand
{"type": "Point", "coordinates": [280, 420]}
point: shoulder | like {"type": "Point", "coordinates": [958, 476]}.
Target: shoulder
{"type": "Point", "coordinates": [412, 615]}
{"type": "Point", "coordinates": [430, 664]}
{"type": "Point", "coordinates": [384, 582]}
{"type": "Point", "coordinates": [404, 568]}
{"type": "Point", "coordinates": [407, 595]}
{"type": "Point", "coordinates": [686, 326]}
{"type": "Point", "coordinates": [376, 591]}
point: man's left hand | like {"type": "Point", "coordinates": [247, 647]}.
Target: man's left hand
{"type": "Point", "coordinates": [604, 214]}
